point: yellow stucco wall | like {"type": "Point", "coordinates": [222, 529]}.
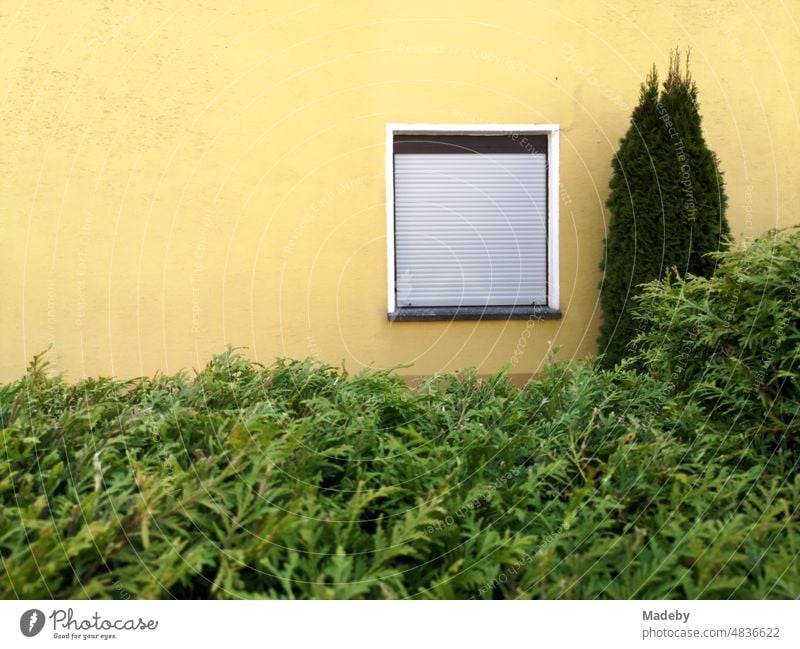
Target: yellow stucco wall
{"type": "Point", "coordinates": [177, 176]}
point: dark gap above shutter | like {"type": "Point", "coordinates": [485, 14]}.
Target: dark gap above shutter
{"type": "Point", "coordinates": [444, 143]}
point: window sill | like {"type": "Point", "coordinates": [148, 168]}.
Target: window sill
{"type": "Point", "coordinates": [426, 314]}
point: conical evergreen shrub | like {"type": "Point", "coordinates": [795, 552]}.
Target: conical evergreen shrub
{"type": "Point", "coordinates": [667, 203]}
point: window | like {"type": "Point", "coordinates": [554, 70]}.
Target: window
{"type": "Point", "coordinates": [472, 221]}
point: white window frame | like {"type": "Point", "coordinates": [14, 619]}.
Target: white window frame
{"type": "Point", "coordinates": [553, 196]}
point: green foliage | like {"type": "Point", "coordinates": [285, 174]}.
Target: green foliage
{"type": "Point", "coordinates": [674, 475]}
{"type": "Point", "coordinates": [732, 341]}
{"type": "Point", "coordinates": [667, 203]}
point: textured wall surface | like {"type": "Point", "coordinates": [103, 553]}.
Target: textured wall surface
{"type": "Point", "coordinates": [178, 176]}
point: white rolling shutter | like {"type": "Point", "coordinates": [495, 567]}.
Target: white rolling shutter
{"type": "Point", "coordinates": [470, 229]}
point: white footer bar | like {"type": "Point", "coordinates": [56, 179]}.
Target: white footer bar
{"type": "Point", "coordinates": [390, 624]}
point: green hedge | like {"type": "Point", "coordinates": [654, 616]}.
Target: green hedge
{"type": "Point", "coordinates": [732, 341]}
{"type": "Point", "coordinates": [299, 480]}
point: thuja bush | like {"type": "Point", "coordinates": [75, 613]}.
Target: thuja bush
{"type": "Point", "coordinates": [667, 203]}
{"type": "Point", "coordinates": [732, 341]}
{"type": "Point", "coordinates": [657, 479]}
